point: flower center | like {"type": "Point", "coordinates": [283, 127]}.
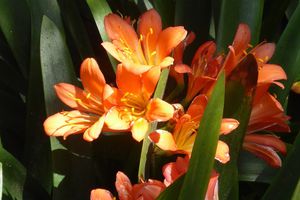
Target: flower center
{"type": "Point", "coordinates": [135, 106]}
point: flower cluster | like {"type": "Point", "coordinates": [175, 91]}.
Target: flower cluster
{"type": "Point", "coordinates": [131, 107]}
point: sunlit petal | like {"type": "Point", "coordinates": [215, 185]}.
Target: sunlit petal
{"type": "Point", "coordinates": [163, 139]}
{"type": "Point", "coordinates": [123, 186]}
{"type": "Point", "coordinates": [222, 153]}
{"type": "Point", "coordinates": [92, 78]}
{"type": "Point", "coordinates": [139, 129]}
{"type": "Point", "coordinates": [94, 131]}
{"type": "Point", "coordinates": [101, 194]}
{"type": "Point", "coordinates": [228, 125]}
{"type": "Point", "coordinates": [159, 110]}
{"type": "Point", "coordinates": [114, 120]}
{"type": "Point", "coordinates": [168, 39]}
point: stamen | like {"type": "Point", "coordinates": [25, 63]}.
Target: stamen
{"type": "Point", "coordinates": [151, 31]}
{"type": "Point", "coordinates": [245, 52]}
{"type": "Point", "coordinates": [250, 45]}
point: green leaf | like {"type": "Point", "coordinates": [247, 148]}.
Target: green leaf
{"type": "Point", "coordinates": [286, 181]}
{"type": "Point", "coordinates": [73, 156]}
{"type": "Point", "coordinates": [78, 34]}
{"type": "Point", "coordinates": [240, 86]}
{"type": "Point", "coordinates": [271, 27]}
{"type": "Point", "coordinates": [172, 191]}
{"type": "Point", "coordinates": [287, 55]}
{"type": "Point", "coordinates": [1, 180]}
{"type": "Point", "coordinates": [195, 16]}
{"type": "Point", "coordinates": [13, 174]}
{"type": "Point", "coordinates": [233, 13]}
{"type": "Point", "coordinates": [146, 149]}
{"type": "Point", "coordinates": [254, 169]}
{"type": "Point", "coordinates": [15, 25]}
{"type": "Point", "coordinates": [203, 155]}
{"type": "Point", "coordinates": [99, 10]}
{"type": "Point", "coordinates": [166, 9]}
{"type": "Point", "coordinates": [296, 194]}
{"type": "Point", "coordinates": [37, 146]}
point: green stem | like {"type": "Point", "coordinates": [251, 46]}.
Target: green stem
{"type": "Point", "coordinates": [159, 92]}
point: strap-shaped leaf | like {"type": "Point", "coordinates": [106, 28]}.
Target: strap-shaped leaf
{"type": "Point", "coordinates": [234, 12]}
{"type": "Point", "coordinates": [37, 146]}
{"type": "Point", "coordinates": [71, 157]}
{"type": "Point", "coordinates": [203, 155]}
{"type": "Point", "coordinates": [287, 54]}
{"type": "Point", "coordinates": [172, 191]}
{"type": "Point", "coordinates": [99, 10]}
{"type": "Point", "coordinates": [287, 179]}
{"type": "Point", "coordinates": [13, 175]}
{"type": "Point", "coordinates": [146, 149]}
{"type": "Point", "coordinates": [240, 86]}
{"type": "Point", "coordinates": [15, 25]}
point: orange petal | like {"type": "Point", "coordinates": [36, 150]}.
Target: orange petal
{"type": "Point", "coordinates": [101, 194]}
{"type": "Point", "coordinates": [127, 81]}
{"type": "Point", "coordinates": [168, 39]}
{"type": "Point", "coordinates": [241, 38]}
{"type": "Point", "coordinates": [139, 129]}
{"type": "Point", "coordinates": [212, 189]}
{"type": "Point", "coordinates": [222, 153]}
{"type": "Point", "coordinates": [263, 52]}
{"type": "Point", "coordinates": [159, 110]}
{"type": "Point", "coordinates": [197, 107]}
{"type": "Point", "coordinates": [112, 50]}
{"type": "Point", "coordinates": [134, 68]}
{"type": "Point", "coordinates": [163, 139]}
{"type": "Point", "coordinates": [114, 120]}
{"type": "Point", "coordinates": [92, 78]}
{"type": "Point", "coordinates": [111, 96]}
{"type": "Point", "coordinates": [76, 98]}
{"type": "Point", "coordinates": [123, 186]}
{"type": "Point", "coordinates": [119, 30]}
{"type": "Point", "coordinates": [149, 26]}
{"type": "Point", "coordinates": [149, 80]}
{"type": "Point", "coordinates": [182, 68]}
{"type": "Point", "coordinates": [269, 73]}
{"type": "Point", "coordinates": [265, 153]}
{"type": "Point", "coordinates": [94, 131]}
{"type": "Point", "coordinates": [66, 123]}
{"type": "Point", "coordinates": [228, 125]}
{"type": "Point", "coordinates": [267, 140]}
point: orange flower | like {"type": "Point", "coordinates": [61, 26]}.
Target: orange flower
{"type": "Point", "coordinates": [184, 134]}
{"type": "Point", "coordinates": [174, 170]}
{"type": "Point", "coordinates": [203, 71]}
{"type": "Point", "coordinates": [133, 106]}
{"type": "Point", "coordinates": [88, 116]}
{"type": "Point", "coordinates": [149, 190]}
{"type": "Point", "coordinates": [151, 48]}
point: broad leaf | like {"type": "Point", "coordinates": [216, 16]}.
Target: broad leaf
{"type": "Point", "coordinates": [233, 13]}
{"type": "Point", "coordinates": [240, 86]}
{"type": "Point", "coordinates": [287, 54]}
{"type": "Point", "coordinates": [172, 191]}
{"type": "Point", "coordinates": [15, 25]}
{"type": "Point", "coordinates": [203, 155]}
{"type": "Point", "coordinates": [286, 181]}
{"type": "Point", "coordinates": [73, 156]}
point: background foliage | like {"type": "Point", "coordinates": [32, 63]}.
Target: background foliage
{"type": "Point", "coordinates": [43, 42]}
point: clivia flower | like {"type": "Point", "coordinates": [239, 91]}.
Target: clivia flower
{"type": "Point", "coordinates": [132, 105]}
{"type": "Point", "coordinates": [89, 112]}
{"type": "Point", "coordinates": [149, 47]}
{"type": "Point", "coordinates": [149, 190]}
{"type": "Point", "coordinates": [184, 133]}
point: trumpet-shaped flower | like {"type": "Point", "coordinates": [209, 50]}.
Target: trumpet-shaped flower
{"type": "Point", "coordinates": [133, 108]}
{"type": "Point", "coordinates": [149, 47]}
{"type": "Point", "coordinates": [88, 113]}
{"type": "Point", "coordinates": [184, 134]}
{"type": "Point", "coordinates": [149, 190]}
{"type": "Point", "coordinates": [203, 71]}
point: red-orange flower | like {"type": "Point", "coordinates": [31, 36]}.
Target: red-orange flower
{"type": "Point", "coordinates": [184, 134]}
{"type": "Point", "coordinates": [88, 113]}
{"type": "Point", "coordinates": [147, 48]}
{"type": "Point", "coordinates": [174, 170]}
{"type": "Point", "coordinates": [149, 190]}
{"type": "Point", "coordinates": [133, 108]}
